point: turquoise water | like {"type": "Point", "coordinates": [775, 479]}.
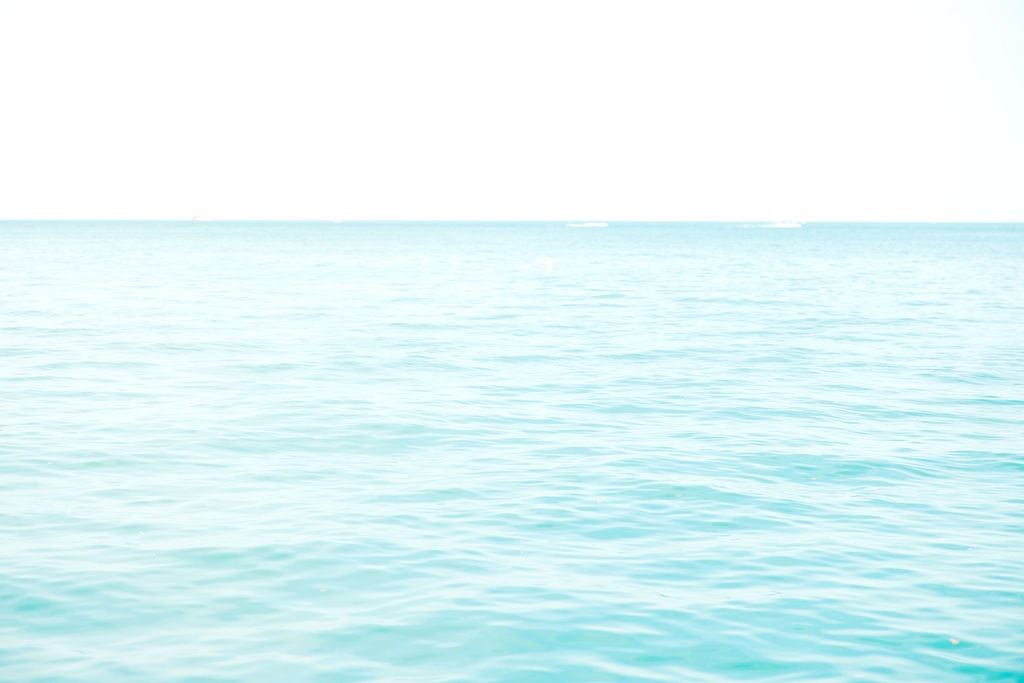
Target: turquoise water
{"type": "Point", "coordinates": [331, 452]}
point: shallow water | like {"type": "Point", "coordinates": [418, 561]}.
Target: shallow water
{"type": "Point", "coordinates": [330, 452]}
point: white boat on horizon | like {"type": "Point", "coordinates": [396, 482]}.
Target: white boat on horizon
{"type": "Point", "coordinates": [783, 224]}
{"type": "Point", "coordinates": [587, 224]}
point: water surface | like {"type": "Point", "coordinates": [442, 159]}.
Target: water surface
{"type": "Point", "coordinates": [461, 452]}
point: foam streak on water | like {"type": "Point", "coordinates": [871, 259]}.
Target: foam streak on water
{"type": "Point", "coordinates": [303, 452]}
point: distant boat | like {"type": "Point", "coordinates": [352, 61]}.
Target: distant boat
{"type": "Point", "coordinates": [587, 224]}
{"type": "Point", "coordinates": [783, 224]}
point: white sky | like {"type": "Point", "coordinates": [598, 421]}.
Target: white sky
{"type": "Point", "coordinates": [478, 109]}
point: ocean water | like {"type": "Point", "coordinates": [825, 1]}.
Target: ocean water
{"type": "Point", "coordinates": [532, 452]}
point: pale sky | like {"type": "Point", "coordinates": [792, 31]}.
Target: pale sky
{"type": "Point", "coordinates": [552, 109]}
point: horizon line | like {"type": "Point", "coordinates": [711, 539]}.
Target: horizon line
{"type": "Point", "coordinates": [767, 221]}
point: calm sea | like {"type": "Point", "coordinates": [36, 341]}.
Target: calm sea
{"type": "Point", "coordinates": [515, 452]}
